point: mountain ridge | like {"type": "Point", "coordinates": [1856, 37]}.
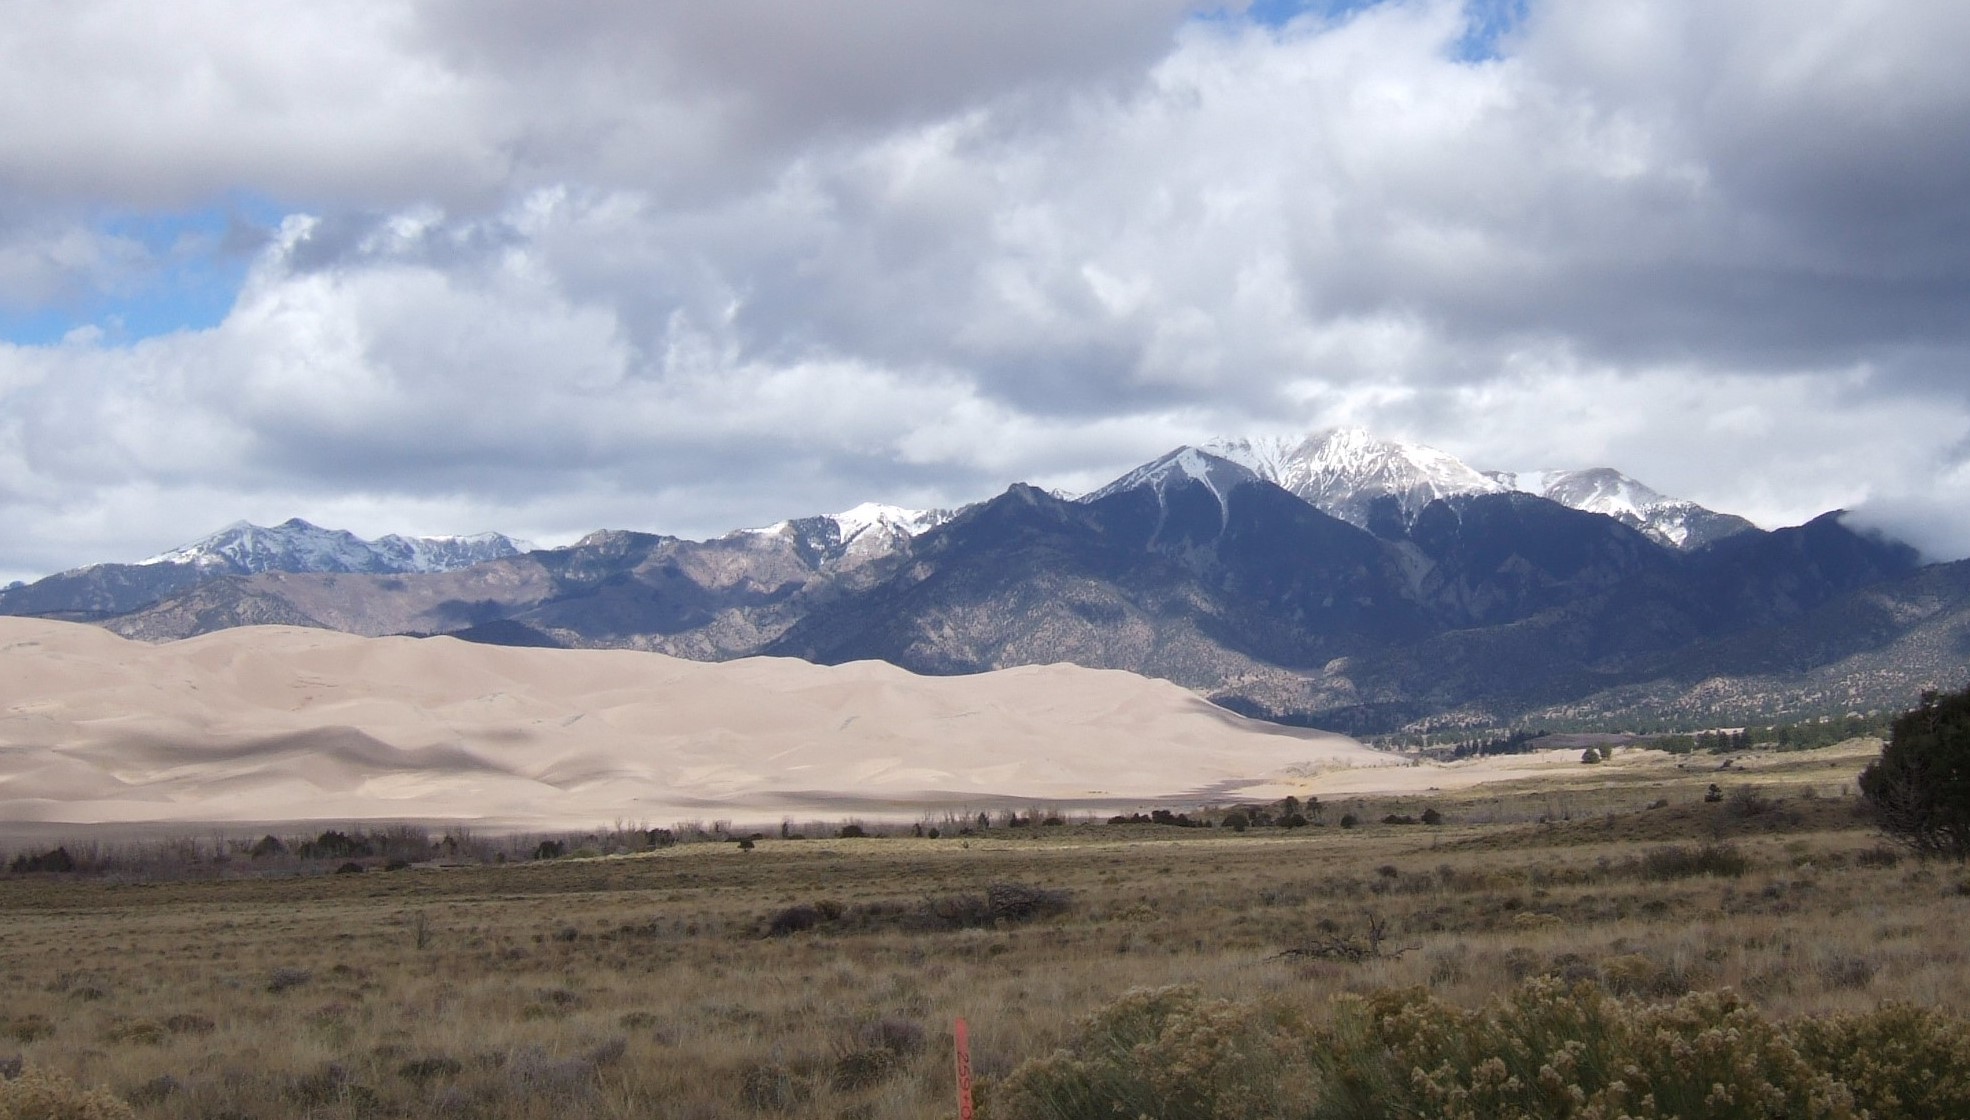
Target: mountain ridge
{"type": "Point", "coordinates": [1423, 596]}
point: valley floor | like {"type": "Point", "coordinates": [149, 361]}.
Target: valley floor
{"type": "Point", "coordinates": [821, 978]}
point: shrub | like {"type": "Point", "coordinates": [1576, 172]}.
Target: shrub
{"type": "Point", "coordinates": [187, 1023]}
{"type": "Point", "coordinates": [1431, 817]}
{"type": "Point", "coordinates": [1018, 902]}
{"type": "Point", "coordinates": [1548, 1050]}
{"type": "Point", "coordinates": [1637, 975]}
{"type": "Point", "coordinates": [1159, 1055]}
{"type": "Point", "coordinates": [899, 1036]}
{"type": "Point", "coordinates": [531, 1071]}
{"type": "Point", "coordinates": [852, 832]}
{"type": "Point", "coordinates": [332, 844]}
{"type": "Point", "coordinates": [281, 979]}
{"type": "Point", "coordinates": [57, 861]}
{"type": "Point", "coordinates": [1847, 972]}
{"type": "Point", "coordinates": [1897, 1061]}
{"type": "Point", "coordinates": [1878, 856]}
{"type": "Point", "coordinates": [860, 1069]}
{"type": "Point", "coordinates": [27, 1028]}
{"type": "Point", "coordinates": [767, 1086]}
{"type": "Point", "coordinates": [429, 1068]}
{"type": "Point", "coordinates": [794, 919]}
{"type": "Point", "coordinates": [1746, 802]}
{"type": "Point", "coordinates": [1678, 861]}
{"type": "Point", "coordinates": [140, 1032]}
{"type": "Point", "coordinates": [41, 1095]}
{"type": "Point", "coordinates": [1918, 791]}
{"type": "Point", "coordinates": [1349, 820]}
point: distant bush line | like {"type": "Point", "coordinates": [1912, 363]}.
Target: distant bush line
{"type": "Point", "coordinates": [1002, 904]}
{"type": "Point", "coordinates": [399, 847]}
{"type": "Point", "coordinates": [1802, 735]}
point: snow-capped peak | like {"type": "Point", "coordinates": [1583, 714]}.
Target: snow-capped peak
{"type": "Point", "coordinates": [295, 545]}
{"type": "Point", "coordinates": [1265, 456]}
{"type": "Point", "coordinates": [855, 535]}
{"type": "Point", "coordinates": [874, 516]}
{"type": "Point", "coordinates": [1217, 472]}
{"type": "Point", "coordinates": [1596, 490]}
{"type": "Point", "coordinates": [1345, 471]}
{"type": "Point", "coordinates": [1675, 522]}
{"type": "Point", "coordinates": [1348, 473]}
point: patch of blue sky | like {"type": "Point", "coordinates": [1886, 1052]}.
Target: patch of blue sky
{"type": "Point", "coordinates": [186, 275]}
{"type": "Point", "coordinates": [1486, 22]}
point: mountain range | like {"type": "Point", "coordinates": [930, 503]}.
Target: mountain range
{"type": "Point", "coordinates": [1338, 581]}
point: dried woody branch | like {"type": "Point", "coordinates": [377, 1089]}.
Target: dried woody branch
{"type": "Point", "coordinates": [1348, 947]}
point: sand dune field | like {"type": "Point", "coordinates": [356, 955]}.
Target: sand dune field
{"type": "Point", "coordinates": [280, 724]}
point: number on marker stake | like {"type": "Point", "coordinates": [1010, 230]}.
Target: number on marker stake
{"type": "Point", "coordinates": [963, 1037]}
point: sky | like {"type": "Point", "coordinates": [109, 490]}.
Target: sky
{"type": "Point", "coordinates": [469, 265]}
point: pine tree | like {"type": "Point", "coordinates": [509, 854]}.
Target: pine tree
{"type": "Point", "coordinates": [1919, 789]}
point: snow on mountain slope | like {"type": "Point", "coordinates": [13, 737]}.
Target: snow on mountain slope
{"type": "Point", "coordinates": [856, 535]}
{"type": "Point", "coordinates": [1217, 472]}
{"type": "Point", "coordinates": [1344, 471]}
{"type": "Point", "coordinates": [297, 546]}
{"type": "Point", "coordinates": [448, 553]}
{"type": "Point", "coordinates": [1675, 522]}
{"type": "Point", "coordinates": [1596, 490]}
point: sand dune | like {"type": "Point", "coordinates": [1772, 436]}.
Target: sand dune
{"type": "Point", "coordinates": [283, 724]}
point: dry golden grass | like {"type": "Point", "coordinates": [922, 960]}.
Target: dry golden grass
{"type": "Point", "coordinates": [646, 986]}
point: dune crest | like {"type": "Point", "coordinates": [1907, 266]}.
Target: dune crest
{"type": "Point", "coordinates": [286, 724]}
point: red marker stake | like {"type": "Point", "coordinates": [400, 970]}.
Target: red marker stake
{"type": "Point", "coordinates": [964, 1070]}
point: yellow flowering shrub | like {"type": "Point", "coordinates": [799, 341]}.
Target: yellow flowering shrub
{"type": "Point", "coordinates": [1546, 1051]}
{"type": "Point", "coordinates": [1550, 1050]}
{"type": "Point", "coordinates": [1164, 1054]}
{"type": "Point", "coordinates": [1898, 1061]}
{"type": "Point", "coordinates": [41, 1095]}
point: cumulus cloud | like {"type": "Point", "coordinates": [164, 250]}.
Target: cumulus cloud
{"type": "Point", "coordinates": [683, 267]}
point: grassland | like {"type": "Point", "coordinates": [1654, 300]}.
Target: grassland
{"type": "Point", "coordinates": [652, 985]}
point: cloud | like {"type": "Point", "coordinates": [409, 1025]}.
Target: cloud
{"type": "Point", "coordinates": [684, 267]}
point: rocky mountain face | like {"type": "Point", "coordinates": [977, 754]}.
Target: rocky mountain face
{"type": "Point", "coordinates": [105, 590]}
{"type": "Point", "coordinates": [1488, 606]}
{"type": "Point", "coordinates": [1386, 587]}
{"type": "Point", "coordinates": [1350, 474]}
{"type": "Point", "coordinates": [296, 546]}
{"type": "Point", "coordinates": [855, 537]}
{"type": "Point", "coordinates": [1360, 479]}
